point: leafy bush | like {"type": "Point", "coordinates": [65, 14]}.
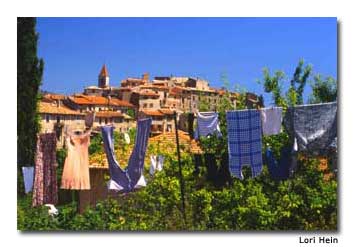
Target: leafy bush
{"type": "Point", "coordinates": [306, 202]}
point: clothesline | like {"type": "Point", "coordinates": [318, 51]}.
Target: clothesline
{"type": "Point", "coordinates": [312, 127]}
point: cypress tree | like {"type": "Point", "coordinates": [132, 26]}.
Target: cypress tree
{"type": "Point", "coordinates": [29, 77]}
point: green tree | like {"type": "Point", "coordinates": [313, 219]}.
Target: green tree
{"type": "Point", "coordinates": [323, 90]}
{"type": "Point", "coordinates": [29, 76]}
{"type": "Point", "coordinates": [294, 95]}
{"type": "Point", "coordinates": [298, 82]}
{"type": "Point", "coordinates": [273, 84]}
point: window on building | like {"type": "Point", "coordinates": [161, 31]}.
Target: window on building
{"type": "Point", "coordinates": [151, 105]}
{"type": "Point", "coordinates": [58, 119]}
{"type": "Point", "coordinates": [169, 127]}
{"type": "Point", "coordinates": [99, 109]}
{"type": "Point", "coordinates": [106, 120]}
{"type": "Point", "coordinates": [144, 105]}
{"type": "Point", "coordinates": [47, 118]}
{"type": "Point", "coordinates": [100, 120]}
{"type": "Point", "coordinates": [120, 129]}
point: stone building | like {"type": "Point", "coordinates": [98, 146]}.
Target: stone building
{"type": "Point", "coordinates": [134, 82]}
{"type": "Point", "coordinates": [55, 117]}
{"type": "Point", "coordinates": [121, 122]}
{"type": "Point", "coordinates": [162, 120]}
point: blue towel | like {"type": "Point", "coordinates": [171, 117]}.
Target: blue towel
{"type": "Point", "coordinates": [244, 141]}
{"type": "Point", "coordinates": [207, 124]}
{"type": "Point", "coordinates": [127, 179]}
{"type": "Point", "coordinates": [28, 172]}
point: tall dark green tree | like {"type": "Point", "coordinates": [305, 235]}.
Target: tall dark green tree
{"type": "Point", "coordinates": [29, 77]}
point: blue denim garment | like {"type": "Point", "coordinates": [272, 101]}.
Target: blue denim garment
{"type": "Point", "coordinates": [283, 168]}
{"type": "Point", "coordinates": [128, 178]}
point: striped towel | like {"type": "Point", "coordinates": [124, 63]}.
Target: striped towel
{"type": "Point", "coordinates": [207, 124]}
{"type": "Point", "coordinates": [244, 141]}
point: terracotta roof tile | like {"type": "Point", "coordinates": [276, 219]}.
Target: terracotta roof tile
{"type": "Point", "coordinates": [168, 139]}
{"type": "Point", "coordinates": [152, 112]}
{"type": "Point", "coordinates": [98, 100]}
{"type": "Point", "coordinates": [149, 93]}
{"type": "Point", "coordinates": [167, 111]}
{"type": "Point", "coordinates": [54, 96]}
{"type": "Point", "coordinates": [50, 108]}
{"type": "Point", "coordinates": [109, 114]}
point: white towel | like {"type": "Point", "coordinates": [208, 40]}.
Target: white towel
{"type": "Point", "coordinates": [160, 161]}
{"type": "Point", "coordinates": [153, 164]}
{"type": "Point", "coordinates": [271, 120]}
{"type": "Point", "coordinates": [27, 172]}
{"type": "Point", "coordinates": [126, 138]}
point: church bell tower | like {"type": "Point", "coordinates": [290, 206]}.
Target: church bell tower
{"type": "Point", "coordinates": [103, 78]}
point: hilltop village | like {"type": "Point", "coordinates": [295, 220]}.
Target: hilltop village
{"type": "Point", "coordinates": [136, 98]}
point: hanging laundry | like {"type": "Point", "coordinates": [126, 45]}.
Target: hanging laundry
{"type": "Point", "coordinates": [76, 175]}
{"type": "Point", "coordinates": [89, 119]}
{"type": "Point", "coordinates": [160, 160]}
{"type": "Point", "coordinates": [271, 120]}
{"type": "Point", "coordinates": [244, 141]}
{"type": "Point", "coordinates": [27, 172]}
{"type": "Point", "coordinates": [190, 119]}
{"type": "Point", "coordinates": [156, 163]}
{"type": "Point", "coordinates": [45, 188]}
{"type": "Point", "coordinates": [153, 164]}
{"type": "Point", "coordinates": [283, 168]}
{"type": "Point", "coordinates": [224, 171]}
{"type": "Point", "coordinates": [198, 162]}
{"type": "Point", "coordinates": [207, 124]}
{"type": "Point", "coordinates": [314, 127]}
{"type": "Point", "coordinates": [126, 138]}
{"type": "Point", "coordinates": [132, 177]}
{"type": "Point", "coordinates": [212, 169]}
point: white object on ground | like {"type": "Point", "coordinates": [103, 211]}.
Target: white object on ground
{"type": "Point", "coordinates": [52, 209]}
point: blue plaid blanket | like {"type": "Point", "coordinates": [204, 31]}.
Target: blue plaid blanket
{"type": "Point", "coordinates": [244, 141]}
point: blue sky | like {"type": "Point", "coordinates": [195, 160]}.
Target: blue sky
{"type": "Point", "coordinates": [74, 49]}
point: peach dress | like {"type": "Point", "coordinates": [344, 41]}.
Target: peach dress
{"type": "Point", "coordinates": [76, 174]}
